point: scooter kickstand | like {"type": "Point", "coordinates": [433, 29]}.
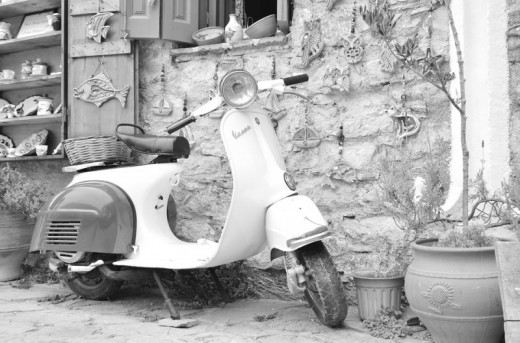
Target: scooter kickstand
{"type": "Point", "coordinates": [173, 311]}
{"type": "Point", "coordinates": [223, 293]}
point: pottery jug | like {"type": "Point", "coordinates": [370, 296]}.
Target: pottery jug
{"type": "Point", "coordinates": [233, 31]}
{"type": "Point", "coordinates": [5, 31]}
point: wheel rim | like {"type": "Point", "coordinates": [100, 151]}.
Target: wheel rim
{"type": "Point", "coordinates": [91, 279]}
{"type": "Point", "coordinates": [312, 291]}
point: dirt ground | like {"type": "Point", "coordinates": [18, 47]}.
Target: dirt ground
{"type": "Point", "coordinates": [52, 313]}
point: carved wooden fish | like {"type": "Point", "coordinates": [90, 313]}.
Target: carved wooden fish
{"type": "Point", "coordinates": [99, 89]}
{"type": "Point", "coordinates": [96, 28]}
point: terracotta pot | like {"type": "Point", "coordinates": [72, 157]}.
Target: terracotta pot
{"type": "Point", "coordinates": [15, 237]}
{"type": "Point", "coordinates": [375, 294]}
{"type": "Point", "coordinates": [455, 292]}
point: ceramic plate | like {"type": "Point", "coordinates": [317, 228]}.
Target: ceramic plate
{"type": "Point", "coordinates": [5, 142]}
{"type": "Point", "coordinates": [28, 146]}
{"type": "Point", "coordinates": [29, 106]}
{"type": "Point", "coordinates": [3, 102]}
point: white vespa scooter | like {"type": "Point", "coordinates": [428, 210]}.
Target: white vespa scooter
{"type": "Point", "coordinates": [110, 223]}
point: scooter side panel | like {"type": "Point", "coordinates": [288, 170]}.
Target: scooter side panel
{"type": "Point", "coordinates": [89, 216]}
{"type": "Point", "coordinates": [294, 222]}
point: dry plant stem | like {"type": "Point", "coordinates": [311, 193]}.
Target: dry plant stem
{"type": "Point", "coordinates": [462, 111]}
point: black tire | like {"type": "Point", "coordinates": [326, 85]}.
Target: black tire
{"type": "Point", "coordinates": [324, 290]}
{"type": "Point", "coordinates": [94, 285]}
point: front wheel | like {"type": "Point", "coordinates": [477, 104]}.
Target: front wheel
{"type": "Point", "coordinates": [323, 289]}
{"type": "Point", "coordinates": [94, 285]}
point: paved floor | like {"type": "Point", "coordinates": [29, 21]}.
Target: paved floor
{"type": "Point", "coordinates": [51, 313]}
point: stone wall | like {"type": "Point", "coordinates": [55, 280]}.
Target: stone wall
{"type": "Point", "coordinates": [343, 184]}
{"type": "Point", "coordinates": [513, 42]}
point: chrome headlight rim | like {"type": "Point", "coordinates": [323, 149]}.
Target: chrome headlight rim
{"type": "Point", "coordinates": [234, 73]}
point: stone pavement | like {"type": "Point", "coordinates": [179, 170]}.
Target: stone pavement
{"type": "Point", "coordinates": [52, 313]}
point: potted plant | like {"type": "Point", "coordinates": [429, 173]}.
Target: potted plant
{"type": "Point", "coordinates": [379, 276]}
{"type": "Point", "coordinates": [453, 290]}
{"type": "Point", "coordinates": [20, 201]}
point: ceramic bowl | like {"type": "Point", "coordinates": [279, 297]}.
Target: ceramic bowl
{"type": "Point", "coordinates": [265, 27]}
{"type": "Point", "coordinates": [209, 35]}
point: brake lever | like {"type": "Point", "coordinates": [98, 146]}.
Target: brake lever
{"type": "Point", "coordinates": [297, 94]}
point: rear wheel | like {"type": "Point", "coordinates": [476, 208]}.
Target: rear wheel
{"type": "Point", "coordinates": [94, 285]}
{"type": "Point", "coordinates": [324, 289]}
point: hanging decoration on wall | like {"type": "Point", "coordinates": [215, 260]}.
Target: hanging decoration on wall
{"type": "Point", "coordinates": [186, 131]}
{"type": "Point", "coordinates": [353, 45]}
{"type": "Point", "coordinates": [306, 137]}
{"type": "Point", "coordinates": [386, 59]}
{"type": "Point", "coordinates": [96, 28]}
{"type": "Point", "coordinates": [312, 44]}
{"type": "Point", "coordinates": [214, 92]}
{"type": "Point", "coordinates": [162, 105]}
{"type": "Point", "coordinates": [406, 123]}
{"type": "Point", "coordinates": [99, 89]}
{"type": "Point", "coordinates": [337, 78]}
{"type": "Point", "coordinates": [276, 112]}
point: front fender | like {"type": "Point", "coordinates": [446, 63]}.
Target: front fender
{"type": "Point", "coordinates": [91, 216]}
{"type": "Point", "coordinates": [293, 222]}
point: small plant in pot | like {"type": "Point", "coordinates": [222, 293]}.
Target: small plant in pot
{"type": "Point", "coordinates": [379, 276]}
{"type": "Point", "coordinates": [20, 201]}
{"type": "Point", "coordinates": [454, 291]}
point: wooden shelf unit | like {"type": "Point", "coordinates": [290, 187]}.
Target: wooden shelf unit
{"type": "Point", "coordinates": [51, 46]}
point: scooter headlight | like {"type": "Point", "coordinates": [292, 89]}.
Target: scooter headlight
{"type": "Point", "coordinates": [238, 88]}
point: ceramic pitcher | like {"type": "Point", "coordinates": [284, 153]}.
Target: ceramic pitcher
{"type": "Point", "coordinates": [233, 31]}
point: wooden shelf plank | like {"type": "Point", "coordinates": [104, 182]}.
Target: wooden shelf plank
{"type": "Point", "coordinates": [31, 82]}
{"type": "Point", "coordinates": [30, 120]}
{"type": "Point", "coordinates": [51, 38]}
{"type": "Point", "coordinates": [32, 158]}
{"type": "Point", "coordinates": [12, 8]}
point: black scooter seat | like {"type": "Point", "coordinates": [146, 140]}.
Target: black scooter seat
{"type": "Point", "coordinates": [175, 146]}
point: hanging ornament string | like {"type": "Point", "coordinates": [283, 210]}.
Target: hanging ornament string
{"type": "Point", "coordinates": [353, 47]}
{"type": "Point", "coordinates": [306, 137]}
{"type": "Point", "coordinates": [407, 123]}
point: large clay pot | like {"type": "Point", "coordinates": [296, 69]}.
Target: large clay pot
{"type": "Point", "coordinates": [455, 293]}
{"type": "Point", "coordinates": [15, 237]}
{"type": "Point", "coordinates": [375, 294]}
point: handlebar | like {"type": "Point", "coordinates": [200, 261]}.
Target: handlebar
{"type": "Point", "coordinates": [292, 80]}
{"type": "Point", "coordinates": [277, 85]}
{"type": "Point", "coordinates": [179, 124]}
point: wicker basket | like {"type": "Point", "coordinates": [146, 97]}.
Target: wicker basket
{"type": "Point", "coordinates": [265, 27]}
{"type": "Point", "coordinates": [95, 149]}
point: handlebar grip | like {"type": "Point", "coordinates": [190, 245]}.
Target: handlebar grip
{"type": "Point", "coordinates": [291, 80]}
{"type": "Point", "coordinates": [179, 124]}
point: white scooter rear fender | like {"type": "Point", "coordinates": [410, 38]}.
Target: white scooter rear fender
{"type": "Point", "coordinates": [293, 222]}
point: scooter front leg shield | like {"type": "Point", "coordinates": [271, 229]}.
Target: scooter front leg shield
{"type": "Point", "coordinates": [293, 222]}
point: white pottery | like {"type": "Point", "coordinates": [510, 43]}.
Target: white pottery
{"type": "Point", "coordinates": [233, 31]}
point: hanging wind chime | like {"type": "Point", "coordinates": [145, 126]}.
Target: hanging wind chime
{"type": "Point", "coordinates": [353, 45]}
{"type": "Point", "coordinates": [99, 89]}
{"type": "Point", "coordinates": [276, 112]}
{"type": "Point", "coordinates": [162, 105]}
{"type": "Point", "coordinates": [406, 123]}
{"type": "Point", "coordinates": [306, 137]}
{"type": "Point", "coordinates": [214, 92]}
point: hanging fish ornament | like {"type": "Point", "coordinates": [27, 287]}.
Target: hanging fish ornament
{"type": "Point", "coordinates": [99, 89]}
{"type": "Point", "coordinates": [96, 28]}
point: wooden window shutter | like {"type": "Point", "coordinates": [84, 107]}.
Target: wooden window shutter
{"type": "Point", "coordinates": [180, 20]}
{"type": "Point", "coordinates": [142, 18]}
